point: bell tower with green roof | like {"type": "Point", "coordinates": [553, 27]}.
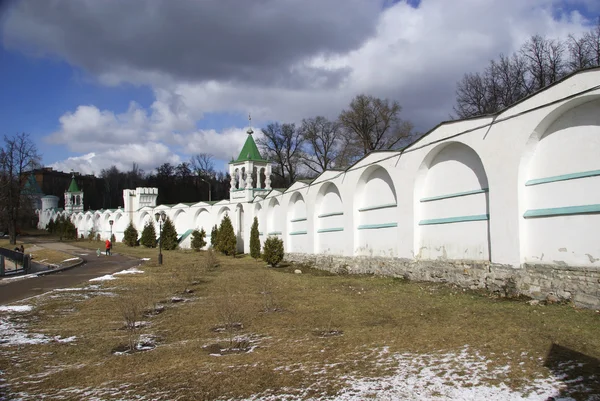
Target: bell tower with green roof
{"type": "Point", "coordinates": [250, 172]}
{"type": "Point", "coordinates": [73, 197]}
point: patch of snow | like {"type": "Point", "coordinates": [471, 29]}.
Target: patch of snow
{"type": "Point", "coordinates": [463, 375]}
{"type": "Point", "coordinates": [69, 260]}
{"type": "Point", "coordinates": [133, 270]}
{"type": "Point", "coordinates": [13, 334]}
{"type": "Point", "coordinates": [106, 277]}
{"type": "Point", "coordinates": [16, 308]}
{"type": "Point", "coordinates": [16, 278]}
{"type": "Point", "coordinates": [65, 340]}
{"type": "Point", "coordinates": [145, 259]}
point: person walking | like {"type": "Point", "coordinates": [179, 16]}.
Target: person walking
{"type": "Point", "coordinates": [108, 244]}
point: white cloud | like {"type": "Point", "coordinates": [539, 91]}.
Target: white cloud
{"type": "Point", "coordinates": [413, 55]}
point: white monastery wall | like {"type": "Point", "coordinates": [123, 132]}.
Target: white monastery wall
{"type": "Point", "coordinates": [510, 191]}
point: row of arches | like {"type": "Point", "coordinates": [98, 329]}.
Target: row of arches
{"type": "Point", "coordinates": [557, 214]}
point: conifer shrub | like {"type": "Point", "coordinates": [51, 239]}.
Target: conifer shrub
{"type": "Point", "coordinates": [214, 237]}
{"type": "Point", "coordinates": [130, 236]}
{"type": "Point", "coordinates": [148, 235]}
{"type": "Point", "coordinates": [226, 237]}
{"type": "Point", "coordinates": [63, 227]}
{"type": "Point", "coordinates": [255, 240]}
{"type": "Point", "coordinates": [51, 226]}
{"type": "Point", "coordinates": [168, 238]}
{"type": "Point", "coordinates": [273, 251]}
{"type": "Point", "coordinates": [198, 239]}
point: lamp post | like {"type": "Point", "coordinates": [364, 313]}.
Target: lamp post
{"type": "Point", "coordinates": [209, 191]}
{"type": "Point", "coordinates": [160, 217]}
{"type": "Point", "coordinates": [110, 223]}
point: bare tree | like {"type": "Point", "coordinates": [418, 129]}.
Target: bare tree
{"type": "Point", "coordinates": [371, 124]}
{"type": "Point", "coordinates": [18, 156]}
{"type": "Point", "coordinates": [323, 140]}
{"type": "Point", "coordinates": [539, 63]}
{"type": "Point", "coordinates": [282, 143]}
{"type": "Point", "coordinates": [203, 165]}
{"type": "Point", "coordinates": [472, 96]}
{"type": "Point", "coordinates": [545, 60]}
{"type": "Point", "coordinates": [579, 57]}
{"type": "Point", "coordinates": [592, 43]}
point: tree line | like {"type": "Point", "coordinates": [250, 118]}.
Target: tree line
{"type": "Point", "coordinates": [318, 143]}
{"type": "Point", "coordinates": [539, 62]}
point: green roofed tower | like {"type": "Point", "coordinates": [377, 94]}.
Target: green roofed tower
{"type": "Point", "coordinates": [73, 197]}
{"type": "Point", "coordinates": [250, 172]}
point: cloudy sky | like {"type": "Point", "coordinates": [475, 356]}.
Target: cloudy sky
{"type": "Point", "coordinates": [112, 82]}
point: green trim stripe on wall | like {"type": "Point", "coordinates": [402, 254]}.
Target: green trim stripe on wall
{"type": "Point", "coordinates": [298, 219]}
{"type": "Point", "coordinates": [455, 195]}
{"type": "Point", "coordinates": [563, 211]}
{"type": "Point", "coordinates": [298, 233]}
{"type": "Point", "coordinates": [376, 226]}
{"type": "Point", "coordinates": [330, 230]}
{"type": "Point", "coordinates": [564, 177]}
{"type": "Point", "coordinates": [331, 214]}
{"type": "Point", "coordinates": [274, 233]}
{"type": "Point", "coordinates": [366, 209]}
{"type": "Point", "coordinates": [457, 219]}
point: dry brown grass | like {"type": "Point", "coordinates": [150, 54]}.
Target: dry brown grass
{"type": "Point", "coordinates": [39, 254]}
{"type": "Point", "coordinates": [288, 317]}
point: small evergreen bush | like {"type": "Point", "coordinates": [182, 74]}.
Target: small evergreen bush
{"type": "Point", "coordinates": [273, 251]}
{"type": "Point", "coordinates": [148, 235]}
{"type": "Point", "coordinates": [168, 238]}
{"type": "Point", "coordinates": [255, 240]}
{"type": "Point", "coordinates": [227, 242]}
{"type": "Point", "coordinates": [214, 237]}
{"type": "Point", "coordinates": [130, 236]}
{"type": "Point", "coordinates": [198, 239]}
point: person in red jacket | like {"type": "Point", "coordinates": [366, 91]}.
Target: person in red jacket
{"type": "Point", "coordinates": [108, 247]}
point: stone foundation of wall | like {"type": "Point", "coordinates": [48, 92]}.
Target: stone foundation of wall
{"type": "Point", "coordinates": [581, 285]}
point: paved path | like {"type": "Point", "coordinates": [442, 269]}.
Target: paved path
{"type": "Point", "coordinates": [93, 266]}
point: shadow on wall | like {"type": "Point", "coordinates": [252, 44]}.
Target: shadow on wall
{"type": "Point", "coordinates": [580, 373]}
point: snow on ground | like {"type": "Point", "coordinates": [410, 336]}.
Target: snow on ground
{"type": "Point", "coordinates": [463, 375]}
{"type": "Point", "coordinates": [13, 331]}
{"type": "Point", "coordinates": [145, 259]}
{"type": "Point", "coordinates": [133, 270]}
{"type": "Point", "coordinates": [16, 308]}
{"type": "Point", "coordinates": [69, 260]}
{"type": "Point", "coordinates": [106, 277]}
{"type": "Point", "coordinates": [16, 278]}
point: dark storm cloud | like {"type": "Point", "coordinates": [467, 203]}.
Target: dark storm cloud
{"type": "Point", "coordinates": [257, 41]}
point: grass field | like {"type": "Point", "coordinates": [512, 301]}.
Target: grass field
{"type": "Point", "coordinates": [245, 331]}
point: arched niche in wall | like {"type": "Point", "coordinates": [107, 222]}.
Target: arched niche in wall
{"type": "Point", "coordinates": [222, 212]}
{"type": "Point", "coordinates": [181, 221]}
{"type": "Point", "coordinates": [260, 215]}
{"type": "Point", "coordinates": [238, 227]}
{"type": "Point", "coordinates": [559, 187]}
{"type": "Point", "coordinates": [202, 221]}
{"type": "Point", "coordinates": [297, 221]}
{"type": "Point", "coordinates": [274, 218]}
{"type": "Point", "coordinates": [375, 215]}
{"type": "Point", "coordinates": [142, 220]}
{"type": "Point", "coordinates": [451, 211]}
{"type": "Point", "coordinates": [329, 221]}
{"type": "Point", "coordinates": [88, 225]}
{"type": "Point", "coordinates": [119, 226]}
